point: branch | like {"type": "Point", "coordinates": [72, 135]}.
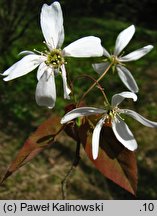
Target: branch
{"type": "Point", "coordinates": [74, 165]}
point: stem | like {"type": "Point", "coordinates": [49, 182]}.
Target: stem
{"type": "Point", "coordinates": [94, 84]}
{"type": "Point", "coordinates": [98, 85]}
{"type": "Point", "coordinates": [77, 154]}
{"type": "Point", "coordinates": [64, 182]}
{"type": "Point", "coordinates": [74, 164]}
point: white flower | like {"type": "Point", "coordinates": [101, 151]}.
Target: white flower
{"type": "Point", "coordinates": [52, 62]}
{"type": "Point", "coordinates": [118, 60]}
{"type": "Point", "coordinates": [111, 117]}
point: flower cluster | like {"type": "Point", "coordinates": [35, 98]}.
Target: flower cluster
{"type": "Point", "coordinates": [52, 62]}
{"type": "Point", "coordinates": [111, 116]}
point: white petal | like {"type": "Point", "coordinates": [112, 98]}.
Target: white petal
{"type": "Point", "coordinates": [123, 39]}
{"type": "Point", "coordinates": [85, 47]}
{"type": "Point", "coordinates": [82, 111]}
{"type": "Point", "coordinates": [65, 86]}
{"type": "Point", "coordinates": [96, 138]}
{"type": "Point", "coordinates": [22, 67]}
{"type": "Point", "coordinates": [127, 78]}
{"type": "Point", "coordinates": [140, 118]}
{"type": "Point", "coordinates": [106, 53]}
{"type": "Point", "coordinates": [123, 134]}
{"type": "Point", "coordinates": [51, 19]}
{"type": "Point", "coordinates": [60, 38]}
{"type": "Point", "coordinates": [42, 68]}
{"type": "Point", "coordinates": [26, 52]}
{"type": "Point", "coordinates": [100, 67]}
{"type": "Point", "coordinates": [118, 98]}
{"type": "Point", "coordinates": [46, 90]}
{"type": "Point", "coordinates": [133, 56]}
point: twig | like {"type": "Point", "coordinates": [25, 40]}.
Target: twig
{"type": "Point", "coordinates": [98, 85]}
{"type": "Point", "coordinates": [74, 164]}
{"type": "Point", "coordinates": [95, 83]}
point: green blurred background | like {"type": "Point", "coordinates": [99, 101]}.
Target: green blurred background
{"type": "Point", "coordinates": [19, 114]}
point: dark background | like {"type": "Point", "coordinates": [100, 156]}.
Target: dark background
{"type": "Point", "coordinates": [139, 12]}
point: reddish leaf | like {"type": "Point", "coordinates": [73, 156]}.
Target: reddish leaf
{"type": "Point", "coordinates": [71, 130]}
{"type": "Point", "coordinates": [37, 142]}
{"type": "Point", "coordinates": [114, 161]}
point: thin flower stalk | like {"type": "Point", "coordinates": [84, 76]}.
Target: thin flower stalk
{"type": "Point", "coordinates": [94, 84]}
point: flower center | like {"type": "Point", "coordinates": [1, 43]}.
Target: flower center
{"type": "Point", "coordinates": [111, 114]}
{"type": "Point", "coordinates": [55, 59]}
{"type": "Point", "coordinates": [114, 60]}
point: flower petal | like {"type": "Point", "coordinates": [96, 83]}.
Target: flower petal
{"type": "Point", "coordinates": [123, 39]}
{"type": "Point", "coordinates": [127, 78]}
{"type": "Point", "coordinates": [118, 98]}
{"type": "Point", "coordinates": [96, 138]}
{"type": "Point", "coordinates": [100, 67]}
{"type": "Point", "coordinates": [46, 90]}
{"type": "Point", "coordinates": [65, 86]}
{"type": "Point", "coordinates": [24, 66]}
{"type": "Point", "coordinates": [51, 19]}
{"type": "Point", "coordinates": [123, 134]}
{"type": "Point", "coordinates": [85, 47]}
{"type": "Point", "coordinates": [60, 38]}
{"type": "Point", "coordinates": [137, 54]}
{"type": "Point", "coordinates": [81, 111]}
{"type": "Point", "coordinates": [42, 68]}
{"type": "Point", "coordinates": [140, 118]}
{"type": "Point", "coordinates": [106, 53]}
{"type": "Point", "coordinates": [26, 52]}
